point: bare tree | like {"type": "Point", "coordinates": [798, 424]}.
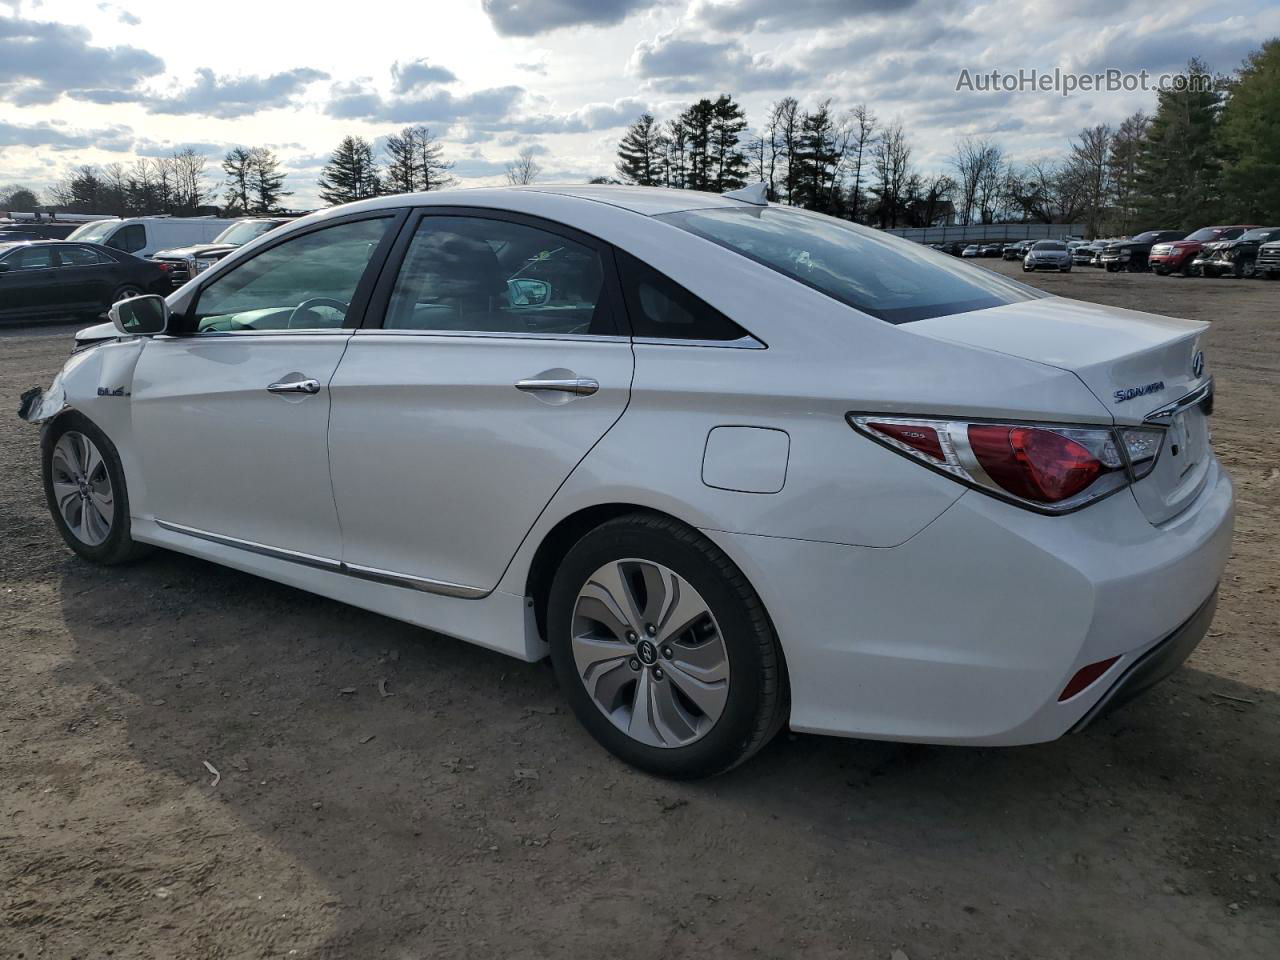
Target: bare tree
{"type": "Point", "coordinates": [862, 124]}
{"type": "Point", "coordinates": [1122, 164]}
{"type": "Point", "coordinates": [1089, 158]}
{"type": "Point", "coordinates": [891, 160]}
{"type": "Point", "coordinates": [524, 168]}
{"type": "Point", "coordinates": [980, 169]}
{"type": "Point", "coordinates": [785, 122]}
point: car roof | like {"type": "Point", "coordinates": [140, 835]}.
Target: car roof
{"type": "Point", "coordinates": [650, 201]}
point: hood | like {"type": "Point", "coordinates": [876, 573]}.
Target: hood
{"type": "Point", "coordinates": [1133, 362]}
{"type": "Point", "coordinates": [196, 250]}
{"type": "Point", "coordinates": [98, 333]}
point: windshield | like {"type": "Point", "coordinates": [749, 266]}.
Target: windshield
{"type": "Point", "coordinates": [1048, 245]}
{"type": "Point", "coordinates": [885, 276]}
{"type": "Point", "coordinates": [1149, 237]}
{"type": "Point", "coordinates": [93, 232]}
{"type": "Point", "coordinates": [239, 234]}
{"type": "Point", "coordinates": [1263, 233]}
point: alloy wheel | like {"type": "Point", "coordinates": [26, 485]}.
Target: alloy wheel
{"type": "Point", "coordinates": [124, 293]}
{"type": "Point", "coordinates": [82, 488]}
{"type": "Point", "coordinates": [650, 653]}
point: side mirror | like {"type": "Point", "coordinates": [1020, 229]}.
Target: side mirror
{"type": "Point", "coordinates": [140, 316]}
{"type": "Point", "coordinates": [525, 292]}
{"type": "Point", "coordinates": [4, 267]}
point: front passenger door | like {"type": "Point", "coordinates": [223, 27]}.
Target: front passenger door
{"type": "Point", "coordinates": [230, 415]}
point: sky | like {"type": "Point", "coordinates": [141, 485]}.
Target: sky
{"type": "Point", "coordinates": [84, 81]}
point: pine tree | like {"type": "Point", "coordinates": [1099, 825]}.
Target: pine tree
{"type": "Point", "coordinates": [1250, 135]}
{"type": "Point", "coordinates": [1178, 162]}
{"type": "Point", "coordinates": [696, 123]}
{"type": "Point", "coordinates": [266, 180]}
{"type": "Point", "coordinates": [727, 164]}
{"type": "Point", "coordinates": [238, 166]}
{"type": "Point", "coordinates": [400, 177]}
{"type": "Point", "coordinates": [351, 173]}
{"type": "Point", "coordinates": [639, 153]}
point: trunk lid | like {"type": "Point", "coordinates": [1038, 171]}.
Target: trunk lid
{"type": "Point", "coordinates": [1135, 364]}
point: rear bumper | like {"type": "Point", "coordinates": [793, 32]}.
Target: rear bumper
{"type": "Point", "coordinates": [1154, 665]}
{"type": "Point", "coordinates": [970, 631]}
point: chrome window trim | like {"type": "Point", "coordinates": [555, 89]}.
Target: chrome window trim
{"type": "Point", "coordinates": [1171, 410]}
{"type": "Point", "coordinates": [490, 335]}
{"type": "Point", "coordinates": [747, 342]}
{"type": "Point", "coordinates": [299, 332]}
{"type": "Point", "coordinates": [359, 571]}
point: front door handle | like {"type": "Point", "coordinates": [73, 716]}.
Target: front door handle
{"type": "Point", "coordinates": [294, 386]}
{"type": "Point", "coordinates": [579, 386]}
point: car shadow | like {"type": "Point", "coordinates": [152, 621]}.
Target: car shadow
{"type": "Point", "coordinates": [396, 792]}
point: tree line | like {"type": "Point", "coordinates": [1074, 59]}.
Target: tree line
{"type": "Point", "coordinates": [1210, 152]}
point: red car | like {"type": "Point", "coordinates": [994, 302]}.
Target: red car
{"type": "Point", "coordinates": [1175, 256]}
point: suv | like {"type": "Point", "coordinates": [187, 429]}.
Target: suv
{"type": "Point", "coordinates": [1016, 251]}
{"type": "Point", "coordinates": [1268, 262]}
{"type": "Point", "coordinates": [1178, 256]}
{"type": "Point", "coordinates": [186, 262]}
{"type": "Point", "coordinates": [1132, 254]}
{"type": "Point", "coordinates": [1237, 258]}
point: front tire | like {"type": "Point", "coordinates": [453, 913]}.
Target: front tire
{"type": "Point", "coordinates": [84, 487]}
{"type": "Point", "coordinates": [663, 649]}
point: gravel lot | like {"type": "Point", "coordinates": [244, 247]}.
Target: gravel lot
{"type": "Point", "coordinates": [465, 813]}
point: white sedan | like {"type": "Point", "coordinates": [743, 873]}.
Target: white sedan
{"type": "Point", "coordinates": [731, 465]}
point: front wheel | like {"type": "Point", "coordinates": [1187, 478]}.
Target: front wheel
{"type": "Point", "coordinates": [84, 487]}
{"type": "Point", "coordinates": [663, 649]}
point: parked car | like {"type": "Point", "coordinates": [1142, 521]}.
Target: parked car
{"type": "Point", "coordinates": [1132, 254]}
{"type": "Point", "coordinates": [1268, 262]}
{"type": "Point", "coordinates": [143, 236]}
{"type": "Point", "coordinates": [1178, 256]}
{"type": "Point", "coordinates": [1016, 251]}
{"type": "Point", "coordinates": [990, 249]}
{"type": "Point", "coordinates": [51, 278]}
{"type": "Point", "coordinates": [35, 230]}
{"type": "Point", "coordinates": [186, 262]}
{"type": "Point", "coordinates": [952, 248]}
{"type": "Point", "coordinates": [547, 424]}
{"type": "Point", "coordinates": [971, 250]}
{"type": "Point", "coordinates": [1083, 255]}
{"type": "Point", "coordinates": [1047, 255]}
{"type": "Point", "coordinates": [1236, 258]}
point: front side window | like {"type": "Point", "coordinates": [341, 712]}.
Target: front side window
{"type": "Point", "coordinates": [305, 283]}
{"type": "Point", "coordinates": [885, 276]}
{"type": "Point", "coordinates": [476, 275]}
{"type": "Point", "coordinates": [32, 258]}
{"type": "Point", "coordinates": [130, 239]}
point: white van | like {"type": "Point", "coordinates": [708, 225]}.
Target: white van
{"type": "Point", "coordinates": [143, 236]}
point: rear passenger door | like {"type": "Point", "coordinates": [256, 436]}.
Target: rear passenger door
{"type": "Point", "coordinates": [493, 359]}
{"type": "Point", "coordinates": [89, 277]}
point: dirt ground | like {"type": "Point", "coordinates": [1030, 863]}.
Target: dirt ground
{"type": "Point", "coordinates": [466, 814]}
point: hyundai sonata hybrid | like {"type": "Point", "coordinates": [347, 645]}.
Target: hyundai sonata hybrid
{"type": "Point", "coordinates": [731, 465]}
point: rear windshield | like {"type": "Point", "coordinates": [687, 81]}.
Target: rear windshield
{"type": "Point", "coordinates": [885, 276]}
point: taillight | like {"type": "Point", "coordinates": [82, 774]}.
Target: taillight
{"type": "Point", "coordinates": [166, 267]}
{"type": "Point", "coordinates": [1050, 468]}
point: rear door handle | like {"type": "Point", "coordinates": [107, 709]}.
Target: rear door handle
{"type": "Point", "coordinates": [294, 386]}
{"type": "Point", "coordinates": [581, 386]}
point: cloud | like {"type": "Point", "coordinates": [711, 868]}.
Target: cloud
{"type": "Point", "coordinates": [42, 61]}
{"type": "Point", "coordinates": [526, 18]}
{"type": "Point", "coordinates": [587, 118]}
{"type": "Point", "coordinates": [123, 15]}
{"type": "Point", "coordinates": [229, 97]}
{"type": "Point", "coordinates": [418, 73]}
{"type": "Point", "coordinates": [57, 137]}
{"type": "Point", "coordinates": [166, 148]}
{"type": "Point", "coordinates": [356, 101]}
{"type": "Point", "coordinates": [747, 15]}
{"type": "Point", "coordinates": [684, 64]}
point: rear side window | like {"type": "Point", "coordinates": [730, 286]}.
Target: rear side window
{"type": "Point", "coordinates": [71, 256]}
{"type": "Point", "coordinates": [885, 276]}
{"type": "Point", "coordinates": [130, 239]}
{"type": "Point", "coordinates": [660, 308]}
{"type": "Point", "coordinates": [32, 258]}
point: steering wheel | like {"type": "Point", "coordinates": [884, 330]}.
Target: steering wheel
{"type": "Point", "coordinates": [316, 302]}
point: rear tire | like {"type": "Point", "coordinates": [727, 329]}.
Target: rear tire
{"type": "Point", "coordinates": [85, 490]}
{"type": "Point", "coordinates": [125, 291]}
{"type": "Point", "coordinates": [689, 680]}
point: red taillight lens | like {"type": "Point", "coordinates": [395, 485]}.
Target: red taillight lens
{"type": "Point", "coordinates": [1034, 464]}
{"type": "Point", "coordinates": [918, 437]}
{"type": "Point", "coordinates": [1085, 677]}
